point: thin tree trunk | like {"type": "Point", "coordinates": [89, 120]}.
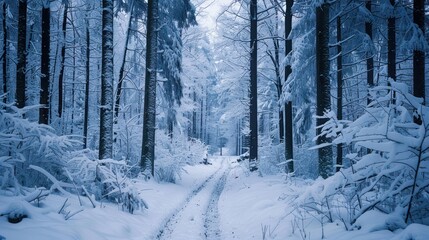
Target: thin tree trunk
{"type": "Point", "coordinates": [391, 47]}
{"type": "Point", "coordinates": [106, 109]}
{"type": "Point", "coordinates": [87, 64]}
{"type": "Point", "coordinates": [253, 146]}
{"type": "Point", "coordinates": [288, 105]}
{"type": "Point", "coordinates": [419, 54]}
{"type": "Point", "coordinates": [370, 59]}
{"type": "Point", "coordinates": [63, 56]}
{"type": "Point", "coordinates": [5, 89]}
{"type": "Point", "coordinates": [149, 114]}
{"type": "Point", "coordinates": [122, 69]}
{"type": "Point", "coordinates": [21, 67]}
{"type": "Point", "coordinates": [194, 116]}
{"type": "Point", "coordinates": [339, 90]}
{"type": "Point", "coordinates": [45, 62]}
{"type": "Point", "coordinates": [323, 85]}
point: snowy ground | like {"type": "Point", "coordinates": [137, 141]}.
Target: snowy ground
{"type": "Point", "coordinates": [218, 201]}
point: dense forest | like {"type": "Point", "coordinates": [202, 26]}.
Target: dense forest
{"type": "Point", "coordinates": [99, 98]}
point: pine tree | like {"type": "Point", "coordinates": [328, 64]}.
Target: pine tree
{"type": "Point", "coordinates": [5, 52]}
{"type": "Point", "coordinates": [370, 59]}
{"type": "Point", "coordinates": [148, 144]}
{"type": "Point", "coordinates": [288, 105]}
{"type": "Point", "coordinates": [21, 66]}
{"type": "Point", "coordinates": [106, 109]}
{"type": "Point", "coordinates": [339, 90]}
{"type": "Point", "coordinates": [45, 63]}
{"type": "Point", "coordinates": [63, 56]}
{"type": "Point", "coordinates": [253, 148]}
{"type": "Point", "coordinates": [87, 78]}
{"type": "Point", "coordinates": [323, 85]}
{"type": "Point", "coordinates": [419, 54]}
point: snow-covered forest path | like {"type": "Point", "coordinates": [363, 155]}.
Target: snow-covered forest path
{"type": "Point", "coordinates": [198, 217]}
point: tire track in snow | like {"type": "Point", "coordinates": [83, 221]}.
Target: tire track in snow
{"type": "Point", "coordinates": [171, 223]}
{"type": "Point", "coordinates": [211, 222]}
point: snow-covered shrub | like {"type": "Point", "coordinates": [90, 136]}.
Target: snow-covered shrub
{"type": "Point", "coordinates": [172, 154]}
{"type": "Point", "coordinates": [271, 157]}
{"type": "Point", "coordinates": [128, 140]}
{"type": "Point", "coordinates": [389, 169]}
{"type": "Point", "coordinates": [24, 143]}
{"type": "Point", "coordinates": [105, 178]}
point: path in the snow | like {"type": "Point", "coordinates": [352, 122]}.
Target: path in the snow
{"type": "Point", "coordinates": [198, 217]}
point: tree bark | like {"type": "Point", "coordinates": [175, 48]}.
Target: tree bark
{"type": "Point", "coordinates": [288, 105]}
{"type": "Point", "coordinates": [45, 63]}
{"type": "Point", "coordinates": [370, 59]}
{"type": "Point", "coordinates": [419, 54]}
{"type": "Point", "coordinates": [122, 69]}
{"type": "Point", "coordinates": [339, 90]}
{"type": "Point", "coordinates": [21, 67]}
{"type": "Point", "coordinates": [323, 85]}
{"type": "Point", "coordinates": [87, 74]}
{"type": "Point", "coordinates": [5, 36]}
{"type": "Point", "coordinates": [391, 46]}
{"type": "Point", "coordinates": [106, 108]}
{"type": "Point", "coordinates": [149, 114]}
{"type": "Point", "coordinates": [253, 146]}
{"type": "Point", "coordinates": [63, 56]}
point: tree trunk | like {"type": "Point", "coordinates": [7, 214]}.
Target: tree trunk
{"type": "Point", "coordinates": [106, 114]}
{"type": "Point", "coordinates": [391, 46]}
{"type": "Point", "coordinates": [63, 56]}
{"type": "Point", "coordinates": [45, 63]}
{"type": "Point", "coordinates": [323, 85]}
{"type": "Point", "coordinates": [5, 36]}
{"type": "Point", "coordinates": [339, 90]}
{"type": "Point", "coordinates": [288, 105]}
{"type": "Point", "coordinates": [149, 114]}
{"type": "Point", "coordinates": [370, 59]}
{"type": "Point", "coordinates": [86, 110]}
{"type": "Point", "coordinates": [253, 146]}
{"type": "Point", "coordinates": [21, 66]}
{"type": "Point", "coordinates": [122, 69]}
{"type": "Point", "coordinates": [419, 54]}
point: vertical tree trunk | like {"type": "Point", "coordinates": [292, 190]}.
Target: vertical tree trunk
{"type": "Point", "coordinates": [45, 62]}
{"type": "Point", "coordinates": [288, 105]}
{"type": "Point", "coordinates": [5, 89]}
{"type": "Point", "coordinates": [63, 56]}
{"type": "Point", "coordinates": [106, 114]}
{"type": "Point", "coordinates": [21, 67]}
{"type": "Point", "coordinates": [194, 116]}
{"type": "Point", "coordinates": [253, 146]}
{"type": "Point", "coordinates": [323, 85]}
{"type": "Point", "coordinates": [391, 45]}
{"type": "Point", "coordinates": [419, 54]}
{"type": "Point", "coordinates": [122, 69]}
{"type": "Point", "coordinates": [370, 59]}
{"type": "Point", "coordinates": [86, 110]}
{"type": "Point", "coordinates": [339, 90]}
{"type": "Point", "coordinates": [149, 114]}
{"type": "Point", "coordinates": [276, 62]}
